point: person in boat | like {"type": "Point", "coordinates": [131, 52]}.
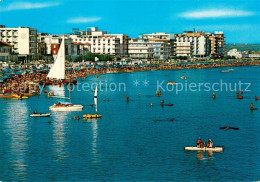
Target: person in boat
{"type": "Point", "coordinates": [251, 106]}
{"type": "Point", "coordinates": [59, 104]}
{"type": "Point", "coordinates": [162, 102]}
{"type": "Point", "coordinates": [213, 95]}
{"type": "Point", "coordinates": [200, 143]}
{"type": "Point", "coordinates": [256, 98]}
{"type": "Point", "coordinates": [210, 144]}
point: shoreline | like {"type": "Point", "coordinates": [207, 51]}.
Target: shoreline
{"type": "Point", "coordinates": [131, 69]}
{"type": "Point", "coordinates": [25, 83]}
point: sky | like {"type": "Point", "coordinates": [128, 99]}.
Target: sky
{"type": "Point", "coordinates": [238, 19]}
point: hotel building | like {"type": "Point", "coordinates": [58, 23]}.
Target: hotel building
{"type": "Point", "coordinates": [101, 42]}
{"type": "Point", "coordinates": [23, 39]}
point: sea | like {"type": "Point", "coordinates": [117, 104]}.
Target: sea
{"type": "Point", "coordinates": [134, 141]}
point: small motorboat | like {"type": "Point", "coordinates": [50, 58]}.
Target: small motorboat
{"type": "Point", "coordinates": [90, 116]}
{"type": "Point", "coordinates": [40, 115]}
{"type": "Point", "coordinates": [65, 106]}
{"type": "Point", "coordinates": [214, 149]}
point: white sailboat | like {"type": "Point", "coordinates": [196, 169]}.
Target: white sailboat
{"type": "Point", "coordinates": [95, 98]}
{"type": "Point", "coordinates": [91, 116]}
{"type": "Point", "coordinates": [58, 72]}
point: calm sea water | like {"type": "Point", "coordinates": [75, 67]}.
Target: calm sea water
{"type": "Point", "coordinates": [126, 144]}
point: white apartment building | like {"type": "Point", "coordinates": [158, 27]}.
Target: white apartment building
{"type": "Point", "coordinates": [198, 42]}
{"type": "Point", "coordinates": [234, 52]}
{"type": "Point", "coordinates": [23, 39]}
{"type": "Point", "coordinates": [157, 35]}
{"type": "Point", "coordinates": [139, 50]}
{"type": "Point", "coordinates": [183, 49]}
{"type": "Point", "coordinates": [101, 42]}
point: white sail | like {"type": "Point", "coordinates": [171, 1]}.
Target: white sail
{"type": "Point", "coordinates": [95, 98]}
{"type": "Point", "coordinates": [58, 69]}
{"type": "Point", "coordinates": [95, 94]}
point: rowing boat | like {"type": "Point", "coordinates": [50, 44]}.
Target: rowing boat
{"type": "Point", "coordinates": [215, 149]}
{"type": "Point", "coordinates": [40, 115]}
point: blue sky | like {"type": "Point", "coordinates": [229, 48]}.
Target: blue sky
{"type": "Point", "coordinates": [238, 19]}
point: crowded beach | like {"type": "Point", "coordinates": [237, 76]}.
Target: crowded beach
{"type": "Point", "coordinates": [26, 80]}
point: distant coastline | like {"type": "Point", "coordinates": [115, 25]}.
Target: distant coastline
{"type": "Point", "coordinates": [243, 47]}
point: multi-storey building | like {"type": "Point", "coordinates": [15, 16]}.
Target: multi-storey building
{"type": "Point", "coordinates": [101, 42]}
{"type": "Point", "coordinates": [192, 44]}
{"type": "Point", "coordinates": [217, 44]}
{"type": "Point", "coordinates": [51, 44]}
{"type": "Point", "coordinates": [5, 51]}
{"type": "Point", "coordinates": [162, 42]}
{"type": "Point", "coordinates": [155, 46]}
{"type": "Point", "coordinates": [140, 50]}
{"type": "Point", "coordinates": [183, 49]}
{"type": "Point", "coordinates": [23, 39]}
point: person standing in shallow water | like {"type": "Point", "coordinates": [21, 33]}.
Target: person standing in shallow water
{"type": "Point", "coordinates": [162, 102]}
{"type": "Point", "coordinates": [213, 95]}
{"type": "Point", "coordinates": [127, 98]}
{"type": "Point", "coordinates": [251, 106]}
